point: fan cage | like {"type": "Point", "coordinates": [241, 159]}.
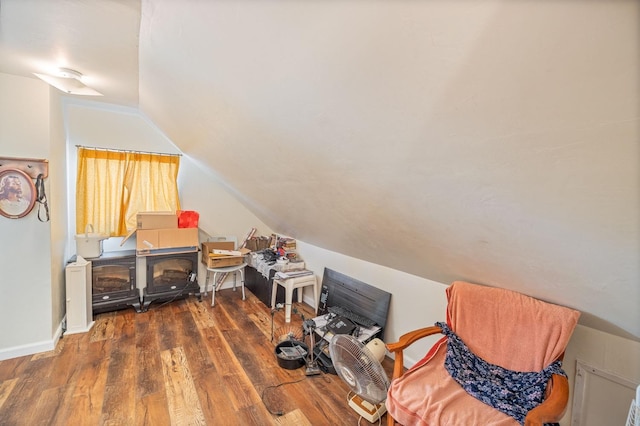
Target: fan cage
{"type": "Point", "coordinates": [288, 332]}
{"type": "Point", "coordinates": [359, 368]}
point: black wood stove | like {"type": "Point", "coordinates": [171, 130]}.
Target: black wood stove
{"type": "Point", "coordinates": [114, 282]}
{"type": "Point", "coordinates": [171, 277]}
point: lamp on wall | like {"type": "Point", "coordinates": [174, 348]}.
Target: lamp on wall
{"type": "Point", "coordinates": [68, 81]}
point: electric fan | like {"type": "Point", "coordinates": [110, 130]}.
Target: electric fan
{"type": "Point", "coordinates": [633, 419]}
{"type": "Point", "coordinates": [288, 332]}
{"type": "Point", "coordinates": [359, 368]}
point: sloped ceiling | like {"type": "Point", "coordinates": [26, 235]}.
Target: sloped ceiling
{"type": "Point", "coordinates": [491, 141]}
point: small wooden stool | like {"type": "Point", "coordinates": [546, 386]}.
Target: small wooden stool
{"type": "Point", "coordinates": [289, 285]}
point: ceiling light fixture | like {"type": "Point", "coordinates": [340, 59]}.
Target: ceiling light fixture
{"type": "Point", "coordinates": [69, 81]}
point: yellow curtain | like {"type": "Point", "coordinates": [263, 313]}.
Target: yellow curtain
{"type": "Point", "coordinates": [113, 186]}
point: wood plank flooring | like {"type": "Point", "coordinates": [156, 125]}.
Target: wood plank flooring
{"type": "Point", "coordinates": [180, 363]}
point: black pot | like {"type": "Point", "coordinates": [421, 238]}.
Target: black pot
{"type": "Point", "coordinates": [289, 356]}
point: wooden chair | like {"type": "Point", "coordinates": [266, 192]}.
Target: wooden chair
{"type": "Point", "coordinates": [502, 327]}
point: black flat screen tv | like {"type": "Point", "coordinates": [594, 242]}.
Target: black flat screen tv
{"type": "Point", "coordinates": [354, 295]}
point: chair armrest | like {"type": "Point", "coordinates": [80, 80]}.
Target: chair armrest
{"type": "Point", "coordinates": [406, 340]}
{"type": "Point", "coordinates": [397, 347]}
{"type": "Point", "coordinates": [411, 337]}
{"type": "Point", "coordinates": [554, 405]}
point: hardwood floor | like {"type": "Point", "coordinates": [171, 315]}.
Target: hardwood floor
{"type": "Point", "coordinates": [182, 363]}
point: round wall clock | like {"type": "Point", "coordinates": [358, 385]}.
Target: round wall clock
{"type": "Point", "coordinates": [17, 193]}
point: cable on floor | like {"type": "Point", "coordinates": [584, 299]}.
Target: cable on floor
{"type": "Point", "coordinates": [281, 412]}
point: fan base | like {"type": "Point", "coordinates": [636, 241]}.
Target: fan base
{"type": "Point", "coordinates": [370, 412]}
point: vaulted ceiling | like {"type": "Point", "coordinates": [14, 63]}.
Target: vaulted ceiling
{"type": "Point", "coordinates": [492, 141]}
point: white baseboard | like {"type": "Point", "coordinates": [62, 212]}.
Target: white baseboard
{"type": "Point", "coordinates": [58, 334]}
{"type": "Point", "coordinates": [78, 330]}
{"type": "Point", "coordinates": [32, 348]}
{"type": "Point", "coordinates": [309, 300]}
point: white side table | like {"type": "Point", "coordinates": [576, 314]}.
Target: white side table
{"type": "Point", "coordinates": [224, 270]}
{"type": "Point", "coordinates": [289, 285]}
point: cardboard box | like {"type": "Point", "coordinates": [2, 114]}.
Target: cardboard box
{"type": "Point", "coordinates": [157, 220]}
{"type": "Point", "coordinates": [149, 240]}
{"type": "Point", "coordinates": [164, 241]}
{"type": "Point", "coordinates": [223, 262]}
{"type": "Point", "coordinates": [213, 260]}
{"type": "Point", "coordinates": [209, 246]}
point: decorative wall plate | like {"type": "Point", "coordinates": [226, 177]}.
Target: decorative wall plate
{"type": "Point", "coordinates": [17, 193]}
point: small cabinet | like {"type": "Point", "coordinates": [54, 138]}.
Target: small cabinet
{"type": "Point", "coordinates": [262, 287]}
{"type": "Point", "coordinates": [78, 298]}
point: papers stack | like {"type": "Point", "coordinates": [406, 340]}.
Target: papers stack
{"type": "Point", "coordinates": [293, 274]}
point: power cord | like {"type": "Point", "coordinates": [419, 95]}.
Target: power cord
{"type": "Point", "coordinates": [278, 412]}
{"type": "Point", "coordinates": [177, 294]}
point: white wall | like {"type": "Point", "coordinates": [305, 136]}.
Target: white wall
{"type": "Point", "coordinates": [56, 187]}
{"type": "Point", "coordinates": [415, 302]}
{"type": "Point", "coordinates": [25, 244]}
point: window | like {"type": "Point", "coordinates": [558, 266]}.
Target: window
{"type": "Point", "coordinates": [113, 186]}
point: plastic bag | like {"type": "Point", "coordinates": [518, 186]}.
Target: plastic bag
{"type": "Point", "coordinates": [188, 219]}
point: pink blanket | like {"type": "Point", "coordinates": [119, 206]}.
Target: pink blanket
{"type": "Point", "coordinates": [501, 326]}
